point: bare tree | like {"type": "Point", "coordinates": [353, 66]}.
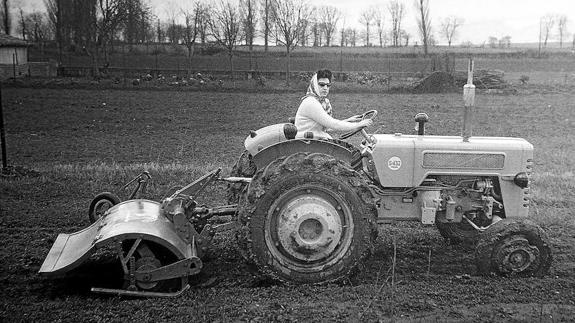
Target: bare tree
{"type": "Point", "coordinates": [248, 12]}
{"type": "Point", "coordinates": [547, 24]}
{"type": "Point", "coordinates": [342, 34]}
{"type": "Point", "coordinates": [379, 19]}
{"type": "Point", "coordinates": [109, 15]}
{"type": "Point", "coordinates": [38, 28]}
{"type": "Point", "coordinates": [423, 22]}
{"type": "Point", "coordinates": [397, 12]}
{"type": "Point", "coordinates": [192, 17]}
{"type": "Point", "coordinates": [366, 18]}
{"type": "Point", "coordinates": [505, 42]}
{"type": "Point", "coordinates": [203, 22]}
{"type": "Point", "coordinates": [309, 27]}
{"type": "Point", "coordinates": [493, 41]}
{"type": "Point", "coordinates": [352, 36]}
{"type": "Point", "coordinates": [266, 8]}
{"type": "Point", "coordinates": [405, 36]}
{"type": "Point", "coordinates": [562, 26]}
{"type": "Point", "coordinates": [449, 27]}
{"type": "Point", "coordinates": [6, 19]}
{"type": "Point", "coordinates": [54, 13]}
{"type": "Point", "coordinates": [22, 24]}
{"type": "Point", "coordinates": [225, 26]}
{"type": "Point", "coordinates": [160, 33]}
{"type": "Point", "coordinates": [288, 16]}
{"type": "Point", "coordinates": [329, 16]}
{"type": "Point", "coordinates": [173, 14]}
{"type": "Point", "coordinates": [249, 20]}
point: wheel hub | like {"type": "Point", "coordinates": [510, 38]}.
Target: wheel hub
{"type": "Point", "coordinates": [516, 255]}
{"type": "Point", "coordinates": [309, 228]}
{"type": "Point", "coordinates": [144, 264]}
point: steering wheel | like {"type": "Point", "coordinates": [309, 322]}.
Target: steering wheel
{"type": "Point", "coordinates": [367, 115]}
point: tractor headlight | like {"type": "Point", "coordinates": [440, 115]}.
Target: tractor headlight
{"type": "Point", "coordinates": [521, 180]}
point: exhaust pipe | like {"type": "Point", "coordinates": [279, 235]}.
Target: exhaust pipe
{"type": "Point", "coordinates": [469, 101]}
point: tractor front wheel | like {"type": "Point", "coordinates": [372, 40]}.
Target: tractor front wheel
{"type": "Point", "coordinates": [513, 248]}
{"type": "Point", "coordinates": [307, 218]}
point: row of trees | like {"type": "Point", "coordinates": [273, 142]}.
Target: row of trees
{"type": "Point", "coordinates": [93, 25]}
{"type": "Point", "coordinates": [76, 22]}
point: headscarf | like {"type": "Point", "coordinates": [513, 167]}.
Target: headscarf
{"type": "Point", "coordinates": [313, 91]}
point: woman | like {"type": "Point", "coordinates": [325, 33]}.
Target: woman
{"type": "Point", "coordinates": [314, 115]}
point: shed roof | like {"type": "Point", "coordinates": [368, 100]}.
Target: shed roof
{"type": "Point", "coordinates": [10, 41]}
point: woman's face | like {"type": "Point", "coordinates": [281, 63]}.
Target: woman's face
{"type": "Point", "coordinates": [323, 84]}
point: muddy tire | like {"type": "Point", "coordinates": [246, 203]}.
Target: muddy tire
{"type": "Point", "coordinates": [244, 167]}
{"type": "Point", "coordinates": [513, 248]}
{"type": "Point", "coordinates": [307, 218]}
{"type": "Point", "coordinates": [100, 204]}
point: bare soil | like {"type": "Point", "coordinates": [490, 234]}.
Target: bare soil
{"type": "Point", "coordinates": [414, 275]}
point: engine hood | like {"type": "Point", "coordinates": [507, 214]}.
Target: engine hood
{"type": "Point", "coordinates": [406, 160]}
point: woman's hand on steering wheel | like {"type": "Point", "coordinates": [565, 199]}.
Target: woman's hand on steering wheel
{"type": "Point", "coordinates": [366, 121]}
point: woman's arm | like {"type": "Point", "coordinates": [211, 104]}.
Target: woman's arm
{"type": "Point", "coordinates": [312, 109]}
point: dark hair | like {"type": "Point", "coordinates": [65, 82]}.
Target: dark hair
{"type": "Point", "coordinates": [325, 73]}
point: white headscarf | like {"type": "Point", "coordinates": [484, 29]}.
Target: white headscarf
{"type": "Point", "coordinates": [313, 91]}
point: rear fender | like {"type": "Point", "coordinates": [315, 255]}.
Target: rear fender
{"type": "Point", "coordinates": [286, 148]}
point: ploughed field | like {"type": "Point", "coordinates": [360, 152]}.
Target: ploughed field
{"type": "Point", "coordinates": [69, 145]}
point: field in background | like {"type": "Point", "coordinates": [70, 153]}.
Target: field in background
{"type": "Point", "coordinates": [79, 142]}
{"type": "Point", "coordinates": [552, 65]}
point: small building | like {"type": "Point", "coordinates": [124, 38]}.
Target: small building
{"type": "Point", "coordinates": [13, 57]}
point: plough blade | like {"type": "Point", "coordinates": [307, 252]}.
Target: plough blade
{"type": "Point", "coordinates": [70, 250]}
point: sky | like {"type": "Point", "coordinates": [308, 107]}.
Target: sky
{"type": "Point", "coordinates": [482, 18]}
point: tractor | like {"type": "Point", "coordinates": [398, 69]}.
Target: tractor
{"type": "Point", "coordinates": [307, 211]}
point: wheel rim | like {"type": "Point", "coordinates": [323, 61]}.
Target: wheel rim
{"type": "Point", "coordinates": [516, 255]}
{"type": "Point", "coordinates": [309, 227]}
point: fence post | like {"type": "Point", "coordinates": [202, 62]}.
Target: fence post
{"type": "Point", "coordinates": [469, 101]}
{"type": "Point", "coordinates": [3, 135]}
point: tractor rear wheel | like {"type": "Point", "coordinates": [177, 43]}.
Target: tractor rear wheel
{"type": "Point", "coordinates": [244, 167]}
{"type": "Point", "coordinates": [307, 218]}
{"type": "Point", "coordinates": [513, 248]}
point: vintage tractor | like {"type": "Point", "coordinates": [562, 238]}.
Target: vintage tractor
{"type": "Point", "coordinates": [307, 210]}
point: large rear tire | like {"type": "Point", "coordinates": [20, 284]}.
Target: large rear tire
{"type": "Point", "coordinates": [514, 248]}
{"type": "Point", "coordinates": [307, 218]}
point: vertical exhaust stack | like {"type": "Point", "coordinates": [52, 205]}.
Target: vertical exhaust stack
{"type": "Point", "coordinates": [469, 100]}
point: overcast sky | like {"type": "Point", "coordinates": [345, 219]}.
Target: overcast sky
{"type": "Point", "coordinates": [483, 18]}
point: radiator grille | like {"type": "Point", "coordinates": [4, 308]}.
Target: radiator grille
{"type": "Point", "coordinates": [463, 160]}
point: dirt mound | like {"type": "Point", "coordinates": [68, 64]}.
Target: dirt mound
{"type": "Point", "coordinates": [436, 82]}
